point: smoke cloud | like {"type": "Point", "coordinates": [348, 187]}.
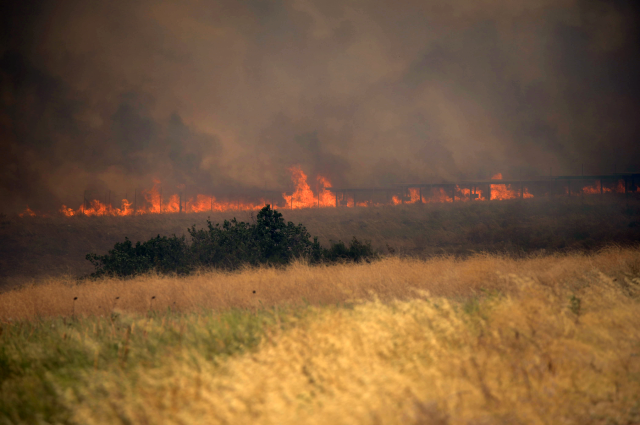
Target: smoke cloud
{"type": "Point", "coordinates": [226, 95]}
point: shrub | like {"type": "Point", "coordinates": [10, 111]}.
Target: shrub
{"type": "Point", "coordinates": [228, 246]}
{"type": "Point", "coordinates": [268, 241]}
{"type": "Point", "coordinates": [160, 253]}
{"type": "Point", "coordinates": [356, 252]}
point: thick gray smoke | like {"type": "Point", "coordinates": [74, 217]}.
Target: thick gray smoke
{"type": "Point", "coordinates": [225, 95]}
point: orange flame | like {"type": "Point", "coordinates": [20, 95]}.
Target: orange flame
{"type": "Point", "coordinates": [414, 196]}
{"type": "Point", "coordinates": [303, 196]}
{"type": "Point", "coordinates": [152, 201]}
{"type": "Point", "coordinates": [439, 195]}
{"type": "Point", "coordinates": [27, 213]}
{"type": "Point", "coordinates": [501, 192]}
{"type": "Point", "coordinates": [595, 188]}
{"type": "Point", "coordinates": [466, 194]}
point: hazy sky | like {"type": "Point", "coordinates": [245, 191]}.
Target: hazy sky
{"type": "Point", "coordinates": [226, 95]}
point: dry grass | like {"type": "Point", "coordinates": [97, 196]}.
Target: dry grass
{"type": "Point", "coordinates": [527, 358]}
{"type": "Point", "coordinates": [539, 340]}
{"type": "Point", "coordinates": [390, 278]}
{"type": "Point", "coordinates": [40, 247]}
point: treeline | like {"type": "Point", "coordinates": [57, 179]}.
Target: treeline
{"type": "Point", "coordinates": [228, 246]}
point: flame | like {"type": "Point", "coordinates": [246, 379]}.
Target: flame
{"type": "Point", "coordinates": [153, 201]}
{"type": "Point", "coordinates": [204, 203]}
{"type": "Point", "coordinates": [439, 195]}
{"type": "Point", "coordinates": [414, 196]}
{"type": "Point", "coordinates": [27, 213]}
{"type": "Point", "coordinates": [303, 196]}
{"type": "Point", "coordinates": [69, 212]}
{"type": "Point", "coordinates": [500, 192]}
{"type": "Point", "coordinates": [464, 194]}
{"type": "Point", "coordinates": [594, 189]}
{"type": "Point", "coordinates": [327, 199]}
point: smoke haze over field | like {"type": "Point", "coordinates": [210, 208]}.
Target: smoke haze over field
{"type": "Point", "coordinates": [226, 95]}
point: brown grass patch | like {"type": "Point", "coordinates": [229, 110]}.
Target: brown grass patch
{"type": "Point", "coordinates": [390, 278]}
{"type": "Point", "coordinates": [41, 247]}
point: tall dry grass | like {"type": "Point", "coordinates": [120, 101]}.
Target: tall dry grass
{"type": "Point", "coordinates": [536, 356]}
{"type": "Point", "coordinates": [487, 340]}
{"type": "Point", "coordinates": [390, 278]}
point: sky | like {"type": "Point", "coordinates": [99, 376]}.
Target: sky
{"type": "Point", "coordinates": [223, 97]}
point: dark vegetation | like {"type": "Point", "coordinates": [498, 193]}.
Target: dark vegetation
{"type": "Point", "coordinates": [34, 247]}
{"type": "Point", "coordinates": [233, 245]}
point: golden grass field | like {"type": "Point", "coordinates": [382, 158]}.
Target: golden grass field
{"type": "Point", "coordinates": [543, 339]}
{"type": "Point", "coordinates": [391, 278]}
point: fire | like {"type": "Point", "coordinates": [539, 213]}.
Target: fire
{"type": "Point", "coordinates": [465, 194]}
{"type": "Point", "coordinates": [27, 213]}
{"type": "Point", "coordinates": [439, 195]}
{"type": "Point", "coordinates": [433, 195]}
{"type": "Point", "coordinates": [327, 199]}
{"type": "Point", "coordinates": [95, 207]}
{"type": "Point", "coordinates": [303, 196]}
{"type": "Point", "coordinates": [153, 201]}
{"type": "Point", "coordinates": [501, 192]}
{"type": "Point", "coordinates": [595, 188]}
{"type": "Point", "coordinates": [414, 195]}
{"type": "Point", "coordinates": [203, 203]}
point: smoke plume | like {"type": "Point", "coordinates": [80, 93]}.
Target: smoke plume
{"type": "Point", "coordinates": [224, 96]}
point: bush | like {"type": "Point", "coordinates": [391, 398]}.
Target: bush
{"type": "Point", "coordinates": [356, 252]}
{"type": "Point", "coordinates": [160, 253]}
{"type": "Point", "coordinates": [268, 241]}
{"type": "Point", "coordinates": [228, 246]}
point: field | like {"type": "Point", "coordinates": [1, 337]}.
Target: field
{"type": "Point", "coordinates": [486, 339]}
{"type": "Point", "coordinates": [482, 313]}
{"type": "Point", "coordinates": [41, 247]}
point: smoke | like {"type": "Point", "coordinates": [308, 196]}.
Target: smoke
{"type": "Point", "coordinates": [225, 96]}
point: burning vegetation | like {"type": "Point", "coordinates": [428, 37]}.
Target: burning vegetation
{"type": "Point", "coordinates": [324, 195]}
{"type": "Point", "coordinates": [153, 202]}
